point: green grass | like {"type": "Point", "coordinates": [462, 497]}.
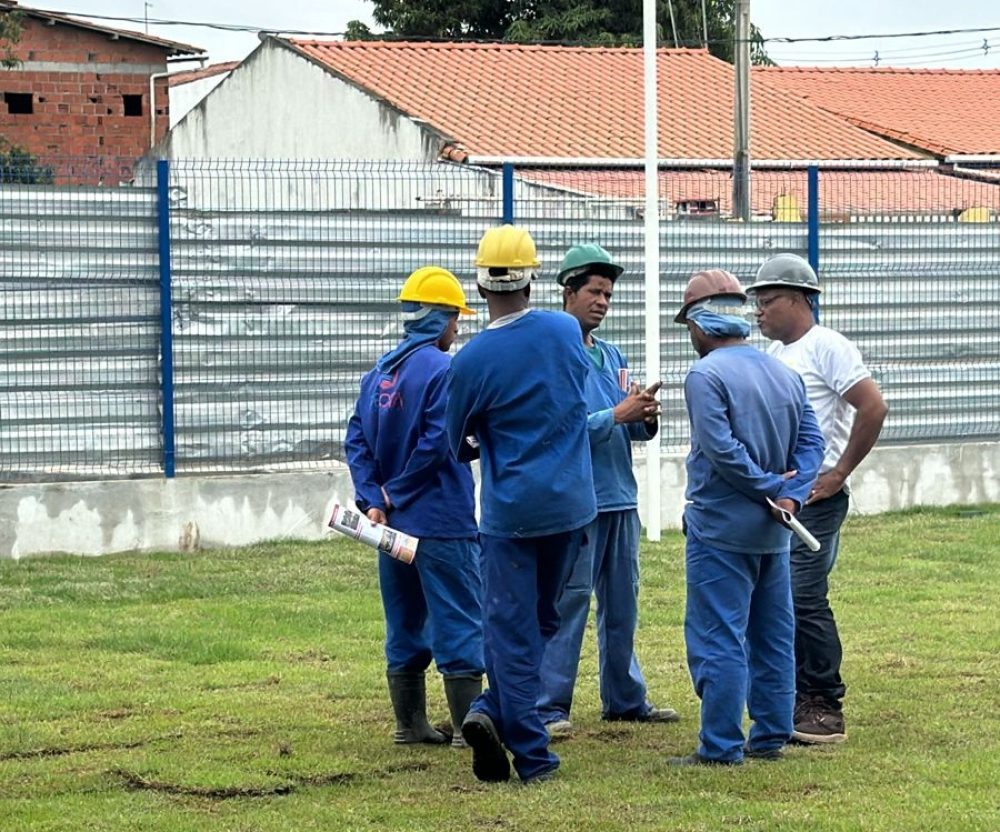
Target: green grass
{"type": "Point", "coordinates": [244, 690]}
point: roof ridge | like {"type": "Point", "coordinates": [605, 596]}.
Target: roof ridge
{"type": "Point", "coordinates": [485, 44]}
{"type": "Point", "coordinates": [873, 70]}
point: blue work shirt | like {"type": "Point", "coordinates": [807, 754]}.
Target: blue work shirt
{"type": "Point", "coordinates": [611, 444]}
{"type": "Point", "coordinates": [396, 440]}
{"type": "Point", "coordinates": [519, 389]}
{"type": "Point", "coordinates": [750, 423]}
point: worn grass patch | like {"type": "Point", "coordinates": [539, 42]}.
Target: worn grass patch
{"type": "Point", "coordinates": [244, 690]}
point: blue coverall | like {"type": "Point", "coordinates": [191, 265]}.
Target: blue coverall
{"type": "Point", "coordinates": [750, 423]}
{"type": "Point", "coordinates": [518, 387]}
{"type": "Point", "coordinates": [607, 564]}
{"type": "Point", "coordinates": [396, 440]}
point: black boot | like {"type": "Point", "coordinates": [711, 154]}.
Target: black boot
{"type": "Point", "coordinates": [409, 703]}
{"type": "Point", "coordinates": [461, 692]}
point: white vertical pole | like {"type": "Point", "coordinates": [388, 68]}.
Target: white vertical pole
{"type": "Point", "coordinates": [652, 258]}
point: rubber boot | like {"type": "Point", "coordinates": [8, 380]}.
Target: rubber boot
{"type": "Point", "coordinates": [461, 692]}
{"type": "Point", "coordinates": [409, 702]}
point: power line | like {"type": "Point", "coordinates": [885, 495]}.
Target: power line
{"type": "Point", "coordinates": [225, 27]}
{"type": "Point", "coordinates": [914, 51]}
{"type": "Point", "coordinates": [909, 63]}
{"type": "Point", "coordinates": [832, 38]}
{"type": "Point", "coordinates": [239, 27]}
{"type": "Point", "coordinates": [883, 57]}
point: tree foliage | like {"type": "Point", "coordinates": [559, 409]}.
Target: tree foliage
{"type": "Point", "coordinates": [589, 22]}
{"type": "Point", "coordinates": [19, 167]}
{"type": "Point", "coordinates": [10, 34]}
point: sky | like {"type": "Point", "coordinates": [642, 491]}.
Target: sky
{"type": "Point", "coordinates": [775, 19]}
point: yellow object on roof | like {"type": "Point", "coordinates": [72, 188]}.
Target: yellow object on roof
{"type": "Point", "coordinates": [786, 209]}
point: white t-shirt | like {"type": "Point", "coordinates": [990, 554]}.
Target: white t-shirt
{"type": "Point", "coordinates": [830, 365]}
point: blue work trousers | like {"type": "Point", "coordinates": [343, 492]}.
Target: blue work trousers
{"type": "Point", "coordinates": [818, 651]}
{"type": "Point", "coordinates": [739, 630]}
{"type": "Point", "coordinates": [433, 608]}
{"type": "Point", "coordinates": [607, 565]}
{"type": "Point", "coordinates": [522, 581]}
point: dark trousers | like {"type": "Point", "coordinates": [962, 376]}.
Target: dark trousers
{"type": "Point", "coordinates": [818, 651]}
{"type": "Point", "coordinates": [523, 579]}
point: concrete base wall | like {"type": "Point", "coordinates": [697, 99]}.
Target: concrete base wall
{"type": "Point", "coordinates": [891, 478]}
{"type": "Point", "coordinates": [94, 518]}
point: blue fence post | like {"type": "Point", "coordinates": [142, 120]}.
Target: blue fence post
{"type": "Point", "coordinates": [508, 193]}
{"type": "Point", "coordinates": [166, 317]}
{"type": "Point", "coordinates": [814, 229]}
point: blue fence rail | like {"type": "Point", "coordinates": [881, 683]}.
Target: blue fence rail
{"type": "Point", "coordinates": [216, 316]}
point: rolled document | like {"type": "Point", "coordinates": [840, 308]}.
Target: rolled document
{"type": "Point", "coordinates": [387, 540]}
{"type": "Point", "coordinates": [801, 531]}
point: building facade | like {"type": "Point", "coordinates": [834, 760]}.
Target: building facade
{"type": "Point", "coordinates": [79, 98]}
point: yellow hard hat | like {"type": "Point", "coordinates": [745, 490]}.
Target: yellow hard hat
{"type": "Point", "coordinates": [436, 286]}
{"type": "Point", "coordinates": [507, 247]}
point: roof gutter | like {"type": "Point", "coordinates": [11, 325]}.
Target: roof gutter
{"type": "Point", "coordinates": [973, 159]}
{"type": "Point", "coordinates": [975, 173]}
{"type": "Point", "coordinates": [722, 164]}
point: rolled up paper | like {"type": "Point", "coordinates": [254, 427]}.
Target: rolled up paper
{"type": "Point", "coordinates": [386, 539]}
{"type": "Point", "coordinates": [801, 531]}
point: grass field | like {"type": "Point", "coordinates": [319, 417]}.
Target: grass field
{"type": "Point", "coordinates": [244, 690]}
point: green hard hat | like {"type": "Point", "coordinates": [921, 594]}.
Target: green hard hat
{"type": "Point", "coordinates": [588, 258]}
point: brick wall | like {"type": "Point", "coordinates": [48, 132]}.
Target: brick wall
{"type": "Point", "coordinates": [77, 110]}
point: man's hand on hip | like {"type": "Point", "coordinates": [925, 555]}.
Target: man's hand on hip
{"type": "Point", "coordinates": [826, 486]}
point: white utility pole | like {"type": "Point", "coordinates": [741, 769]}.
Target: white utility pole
{"type": "Point", "coordinates": [741, 120]}
{"type": "Point", "coordinates": [652, 256]}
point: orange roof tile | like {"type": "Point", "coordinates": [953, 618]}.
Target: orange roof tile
{"type": "Point", "coordinates": [188, 75]}
{"type": "Point", "coordinates": [942, 111]}
{"type": "Point", "coordinates": [521, 100]}
{"type": "Point", "coordinates": [854, 193]}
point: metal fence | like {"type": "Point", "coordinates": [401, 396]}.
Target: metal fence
{"type": "Point", "coordinates": [276, 282]}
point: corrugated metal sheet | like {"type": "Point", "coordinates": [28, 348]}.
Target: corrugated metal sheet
{"type": "Point", "coordinates": [277, 313]}
{"type": "Point", "coordinates": [79, 332]}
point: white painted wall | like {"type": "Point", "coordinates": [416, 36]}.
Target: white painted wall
{"type": "Point", "coordinates": [94, 518]}
{"type": "Point", "coordinates": [279, 105]}
{"type": "Point", "coordinates": [185, 97]}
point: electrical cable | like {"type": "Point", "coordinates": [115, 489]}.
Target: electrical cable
{"type": "Point", "coordinates": [234, 27]}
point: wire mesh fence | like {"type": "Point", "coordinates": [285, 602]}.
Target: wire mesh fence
{"type": "Point", "coordinates": [282, 278]}
{"type": "Point", "coordinates": [79, 387]}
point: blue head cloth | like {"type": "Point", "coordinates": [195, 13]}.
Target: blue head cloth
{"type": "Point", "coordinates": [721, 317]}
{"type": "Point", "coordinates": [423, 325]}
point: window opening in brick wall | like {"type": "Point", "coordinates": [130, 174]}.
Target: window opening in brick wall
{"type": "Point", "coordinates": [133, 105]}
{"type": "Point", "coordinates": [18, 103]}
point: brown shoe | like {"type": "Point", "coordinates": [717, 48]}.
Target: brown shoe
{"type": "Point", "coordinates": [816, 722]}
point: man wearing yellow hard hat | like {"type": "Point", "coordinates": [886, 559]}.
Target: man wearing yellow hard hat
{"type": "Point", "coordinates": [518, 387]}
{"type": "Point", "coordinates": [405, 474]}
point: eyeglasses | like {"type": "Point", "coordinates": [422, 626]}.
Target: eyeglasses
{"type": "Point", "coordinates": [763, 303]}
